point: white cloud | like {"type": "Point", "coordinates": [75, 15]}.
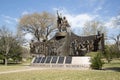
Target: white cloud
{"type": "Point", "coordinates": [111, 23]}
{"type": "Point", "coordinates": [79, 20]}
{"type": "Point", "coordinates": [25, 12]}
{"type": "Point", "coordinates": [10, 20]}
{"type": "Point", "coordinates": [97, 9]}
{"type": "Point", "coordinates": [112, 27]}
{"type": "Point", "coordinates": [76, 21]}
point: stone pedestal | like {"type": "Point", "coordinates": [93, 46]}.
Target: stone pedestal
{"type": "Point", "coordinates": [72, 62]}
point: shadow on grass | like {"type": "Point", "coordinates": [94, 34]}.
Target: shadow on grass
{"type": "Point", "coordinates": [117, 69]}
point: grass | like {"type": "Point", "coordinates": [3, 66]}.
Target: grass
{"type": "Point", "coordinates": [11, 68]}
{"type": "Point", "coordinates": [92, 54]}
{"type": "Point", "coordinates": [113, 63]}
{"type": "Point", "coordinates": [111, 72]}
{"type": "Point", "coordinates": [56, 74]}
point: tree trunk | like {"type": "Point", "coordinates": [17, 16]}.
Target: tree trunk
{"type": "Point", "coordinates": [3, 61]}
{"type": "Point", "coordinates": [6, 61]}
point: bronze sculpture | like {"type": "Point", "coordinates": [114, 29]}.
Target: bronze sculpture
{"type": "Point", "coordinates": [66, 43]}
{"type": "Point", "coordinates": [62, 23]}
{"type": "Point", "coordinates": [59, 21]}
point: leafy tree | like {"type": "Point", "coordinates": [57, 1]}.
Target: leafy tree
{"type": "Point", "coordinates": [115, 48]}
{"type": "Point", "coordinates": [16, 52]}
{"type": "Point", "coordinates": [40, 25]}
{"type": "Point", "coordinates": [5, 42]}
{"type": "Point", "coordinates": [116, 51]}
{"type": "Point", "coordinates": [111, 51]}
{"type": "Point", "coordinates": [9, 46]}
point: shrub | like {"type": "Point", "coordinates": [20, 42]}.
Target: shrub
{"type": "Point", "coordinates": [111, 52]}
{"type": "Point", "coordinates": [108, 54]}
{"type": "Point", "coordinates": [97, 63]}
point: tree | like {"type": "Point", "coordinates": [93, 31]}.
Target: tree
{"type": "Point", "coordinates": [15, 52]}
{"type": "Point", "coordinates": [6, 42]}
{"type": "Point", "coordinates": [116, 46]}
{"type": "Point", "coordinates": [92, 27]}
{"type": "Point", "coordinates": [25, 53]}
{"type": "Point", "coordinates": [40, 25]}
{"type": "Point", "coordinates": [9, 46]}
{"type": "Point", "coordinates": [116, 36]}
{"type": "Point", "coordinates": [117, 41]}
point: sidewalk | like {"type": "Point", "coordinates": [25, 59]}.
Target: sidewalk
{"type": "Point", "coordinates": [21, 70]}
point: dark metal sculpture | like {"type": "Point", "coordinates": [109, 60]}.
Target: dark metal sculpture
{"type": "Point", "coordinates": [62, 23]}
{"type": "Point", "coordinates": [66, 43]}
{"type": "Point", "coordinates": [59, 21]}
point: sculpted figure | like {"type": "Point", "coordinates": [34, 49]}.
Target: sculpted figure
{"type": "Point", "coordinates": [62, 23]}
{"type": "Point", "coordinates": [59, 22]}
{"type": "Point", "coordinates": [65, 25]}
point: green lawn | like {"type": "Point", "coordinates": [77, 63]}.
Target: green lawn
{"type": "Point", "coordinates": [11, 67]}
{"type": "Point", "coordinates": [56, 74]}
{"type": "Point", "coordinates": [113, 63]}
{"type": "Point", "coordinates": [111, 72]}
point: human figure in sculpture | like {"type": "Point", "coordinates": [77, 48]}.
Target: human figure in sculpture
{"type": "Point", "coordinates": [65, 24]}
{"type": "Point", "coordinates": [62, 23]}
{"type": "Point", "coordinates": [59, 21]}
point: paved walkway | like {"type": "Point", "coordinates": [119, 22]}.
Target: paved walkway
{"type": "Point", "coordinates": [21, 70]}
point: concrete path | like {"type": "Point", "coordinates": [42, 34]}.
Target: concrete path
{"type": "Point", "coordinates": [21, 70]}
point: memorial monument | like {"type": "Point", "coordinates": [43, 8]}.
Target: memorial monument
{"type": "Point", "coordinates": [65, 48]}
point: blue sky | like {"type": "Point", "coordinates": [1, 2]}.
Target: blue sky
{"type": "Point", "coordinates": [77, 11]}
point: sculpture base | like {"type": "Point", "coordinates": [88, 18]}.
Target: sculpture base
{"type": "Point", "coordinates": [62, 62]}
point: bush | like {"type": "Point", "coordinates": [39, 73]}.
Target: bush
{"type": "Point", "coordinates": [111, 52]}
{"type": "Point", "coordinates": [108, 54]}
{"type": "Point", "coordinates": [97, 63]}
